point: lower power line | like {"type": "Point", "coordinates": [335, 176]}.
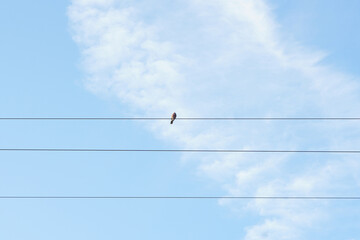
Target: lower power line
{"type": "Point", "coordinates": [185, 118]}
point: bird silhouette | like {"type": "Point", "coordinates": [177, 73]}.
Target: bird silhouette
{"type": "Point", "coordinates": [173, 117]}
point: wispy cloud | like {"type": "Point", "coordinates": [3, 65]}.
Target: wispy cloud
{"type": "Point", "coordinates": [229, 59]}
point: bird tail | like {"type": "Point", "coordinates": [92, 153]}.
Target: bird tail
{"type": "Point", "coordinates": [171, 121]}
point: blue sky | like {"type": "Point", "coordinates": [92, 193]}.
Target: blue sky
{"type": "Point", "coordinates": [104, 58]}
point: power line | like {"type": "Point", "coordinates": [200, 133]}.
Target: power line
{"type": "Point", "coordinates": [190, 197]}
{"type": "Point", "coordinates": [175, 150]}
{"type": "Point", "coordinates": [86, 118]}
{"type": "Point", "coordinates": [185, 118]}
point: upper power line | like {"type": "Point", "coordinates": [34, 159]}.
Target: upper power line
{"type": "Point", "coordinates": [177, 150]}
{"type": "Point", "coordinates": [190, 197]}
{"type": "Point", "coordinates": [187, 118]}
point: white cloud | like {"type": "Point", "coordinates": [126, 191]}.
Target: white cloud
{"type": "Point", "coordinates": [231, 61]}
{"type": "Point", "coordinates": [272, 229]}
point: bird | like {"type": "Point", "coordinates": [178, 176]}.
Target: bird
{"type": "Point", "coordinates": [173, 117]}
